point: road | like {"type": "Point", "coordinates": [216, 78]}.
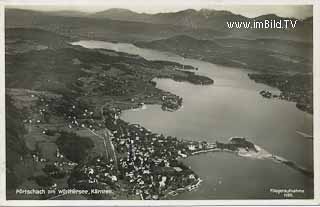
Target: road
{"type": "Point", "coordinates": [107, 135]}
{"type": "Point", "coordinates": [107, 142]}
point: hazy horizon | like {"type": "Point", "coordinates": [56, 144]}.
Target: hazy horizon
{"type": "Point", "coordinates": [251, 11]}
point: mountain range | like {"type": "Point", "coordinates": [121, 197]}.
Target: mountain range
{"type": "Point", "coordinates": [259, 55]}
{"type": "Point", "coordinates": [203, 24]}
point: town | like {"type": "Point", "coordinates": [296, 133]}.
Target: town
{"type": "Point", "coordinates": [144, 164]}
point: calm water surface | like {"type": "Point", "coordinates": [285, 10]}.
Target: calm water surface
{"type": "Point", "coordinates": [230, 107]}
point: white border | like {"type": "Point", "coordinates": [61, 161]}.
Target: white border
{"type": "Point", "coordinates": [316, 72]}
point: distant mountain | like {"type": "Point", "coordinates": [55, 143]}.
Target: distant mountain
{"type": "Point", "coordinates": [121, 14]}
{"type": "Point", "coordinates": [267, 55]}
{"type": "Point", "coordinates": [126, 25]}
{"type": "Point", "coordinates": [181, 44]}
{"type": "Point", "coordinates": [100, 28]}
{"type": "Point", "coordinates": [308, 20]}
{"type": "Point", "coordinates": [203, 18]}
{"type": "Point", "coordinates": [66, 13]}
{"type": "Point", "coordinates": [287, 47]}
{"type": "Point", "coordinates": [69, 13]}
{"type": "Point", "coordinates": [269, 16]}
{"type": "Point", "coordinates": [214, 19]}
{"type": "Point", "coordinates": [39, 36]}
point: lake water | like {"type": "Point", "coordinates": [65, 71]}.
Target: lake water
{"type": "Point", "coordinates": [230, 107]}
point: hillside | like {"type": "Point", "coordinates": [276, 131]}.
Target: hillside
{"type": "Point", "coordinates": [64, 102]}
{"type": "Point", "coordinates": [213, 19]}
{"type": "Point", "coordinates": [50, 82]}
{"type": "Point", "coordinates": [257, 55]}
{"type": "Point", "coordinates": [16, 149]}
{"type": "Point", "coordinates": [100, 28]}
{"type": "Point", "coordinates": [203, 18]}
{"type": "Point", "coordinates": [286, 65]}
{"type": "Point", "coordinates": [179, 44]}
{"type": "Point", "coordinates": [129, 26]}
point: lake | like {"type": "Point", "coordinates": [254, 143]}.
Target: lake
{"type": "Point", "coordinates": [232, 106]}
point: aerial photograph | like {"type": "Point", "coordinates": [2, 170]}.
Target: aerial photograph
{"type": "Point", "coordinates": [159, 102]}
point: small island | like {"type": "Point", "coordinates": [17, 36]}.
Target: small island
{"type": "Point", "coordinates": [64, 129]}
{"type": "Point", "coordinates": [295, 88]}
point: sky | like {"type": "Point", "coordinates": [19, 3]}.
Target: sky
{"type": "Point", "coordinates": [153, 6]}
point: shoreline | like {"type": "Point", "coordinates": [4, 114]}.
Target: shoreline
{"type": "Point", "coordinates": [137, 142]}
